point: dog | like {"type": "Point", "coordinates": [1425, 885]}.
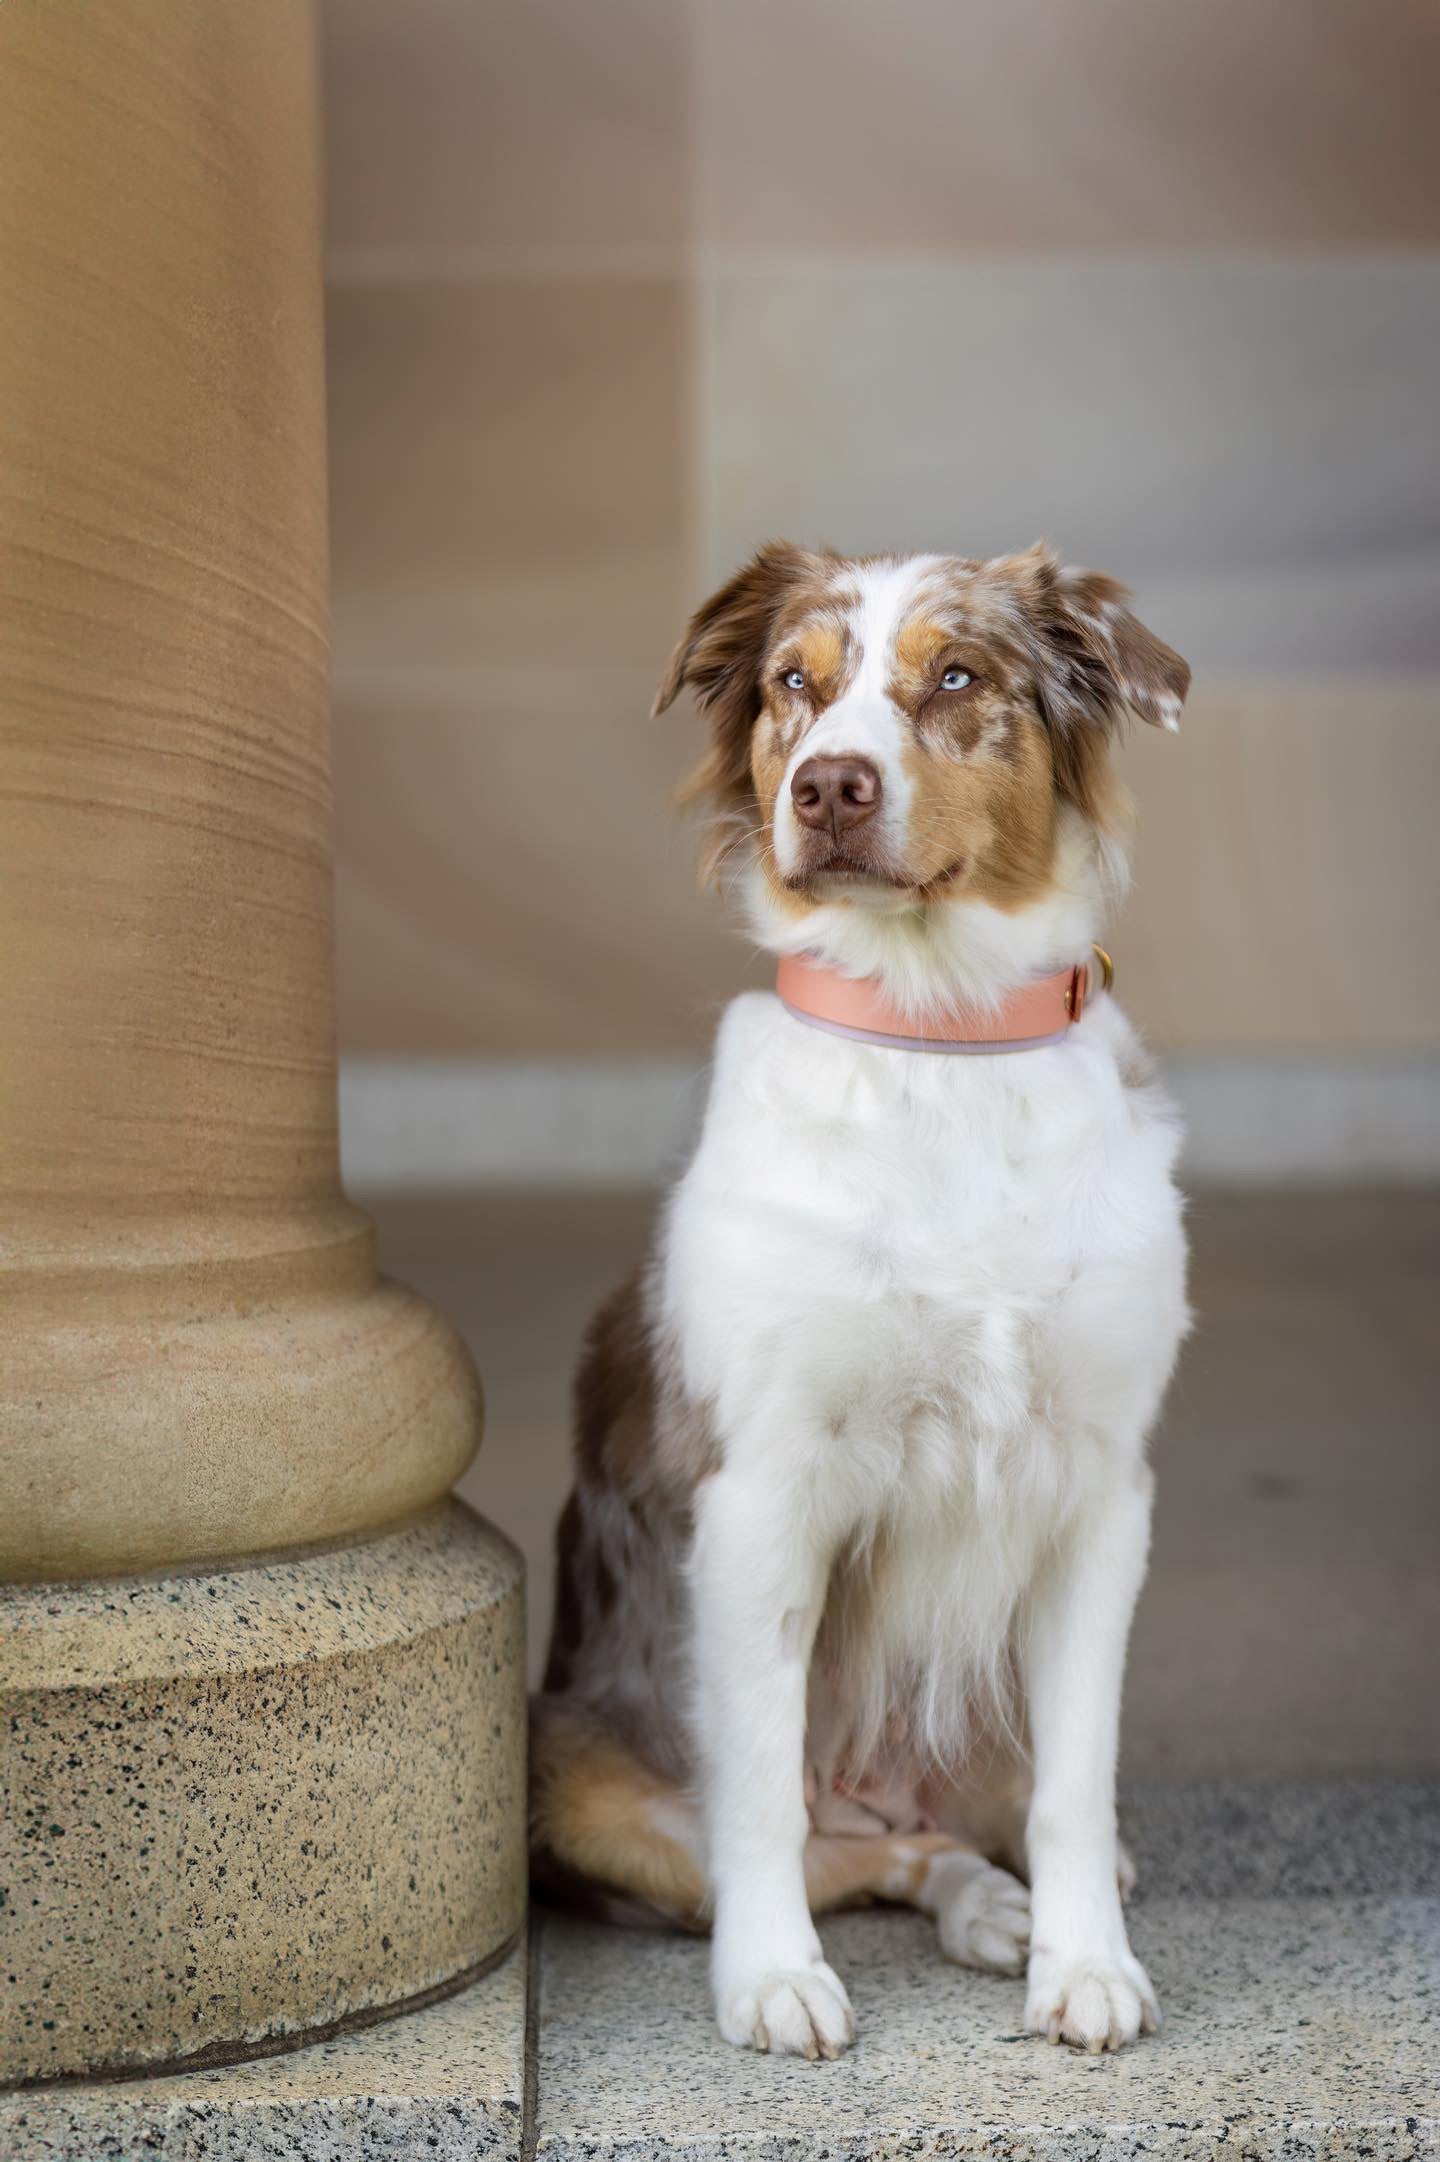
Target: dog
{"type": "Point", "coordinates": [861, 1505]}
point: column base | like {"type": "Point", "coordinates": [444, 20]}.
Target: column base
{"type": "Point", "coordinates": [242, 1806]}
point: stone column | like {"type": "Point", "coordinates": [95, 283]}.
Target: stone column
{"type": "Point", "coordinates": [261, 1736]}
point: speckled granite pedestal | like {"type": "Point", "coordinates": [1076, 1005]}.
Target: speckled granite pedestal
{"type": "Point", "coordinates": [442, 2085]}
{"type": "Point", "coordinates": [1294, 1934]}
{"type": "Point", "coordinates": [238, 1804]}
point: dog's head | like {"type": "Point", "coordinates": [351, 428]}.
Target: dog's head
{"type": "Point", "coordinates": [910, 729]}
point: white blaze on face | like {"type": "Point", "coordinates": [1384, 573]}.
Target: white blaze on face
{"type": "Point", "coordinates": [864, 721]}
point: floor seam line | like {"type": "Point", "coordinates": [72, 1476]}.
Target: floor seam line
{"type": "Point", "coordinates": [530, 2087]}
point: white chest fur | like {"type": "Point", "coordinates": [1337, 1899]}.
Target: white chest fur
{"type": "Point", "coordinates": [932, 1298]}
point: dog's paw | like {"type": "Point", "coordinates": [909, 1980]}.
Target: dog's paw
{"type": "Point", "coordinates": [1095, 2004]}
{"type": "Point", "coordinates": [793, 2011]}
{"type": "Point", "coordinates": [983, 1913]}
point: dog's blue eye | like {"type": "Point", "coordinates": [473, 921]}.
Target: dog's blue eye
{"type": "Point", "coordinates": [956, 679]}
{"type": "Point", "coordinates": [794, 681]}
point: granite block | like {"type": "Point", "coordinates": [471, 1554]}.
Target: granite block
{"type": "Point", "coordinates": [1360, 1838]}
{"type": "Point", "coordinates": [445, 2084]}
{"type": "Point", "coordinates": [1293, 1935]}
{"type": "Point", "coordinates": [238, 1805]}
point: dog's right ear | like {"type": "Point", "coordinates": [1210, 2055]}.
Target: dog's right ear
{"type": "Point", "coordinates": [719, 660]}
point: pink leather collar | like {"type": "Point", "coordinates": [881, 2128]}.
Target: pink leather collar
{"type": "Point", "coordinates": [1038, 1013]}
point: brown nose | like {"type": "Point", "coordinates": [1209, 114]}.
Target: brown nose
{"type": "Point", "coordinates": [833, 793]}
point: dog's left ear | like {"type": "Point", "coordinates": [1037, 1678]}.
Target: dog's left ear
{"type": "Point", "coordinates": [719, 660]}
{"type": "Point", "coordinates": [1095, 658]}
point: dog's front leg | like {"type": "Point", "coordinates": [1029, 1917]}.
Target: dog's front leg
{"type": "Point", "coordinates": [758, 1580]}
{"type": "Point", "coordinates": [1085, 1984]}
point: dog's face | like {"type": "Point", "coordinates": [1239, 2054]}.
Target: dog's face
{"type": "Point", "coordinates": [908, 728]}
